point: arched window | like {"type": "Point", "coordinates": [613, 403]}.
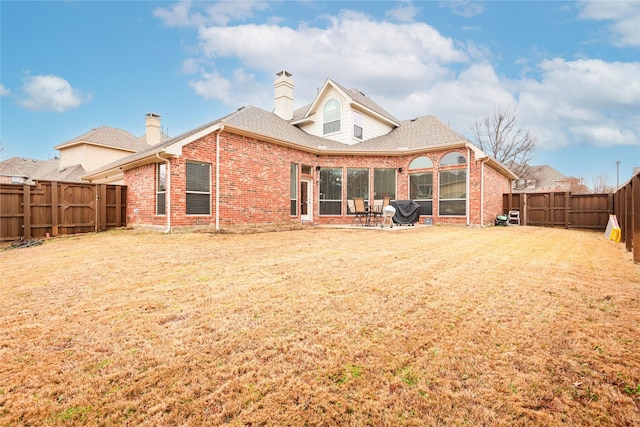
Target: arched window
{"type": "Point", "coordinates": [453, 159]}
{"type": "Point", "coordinates": [421, 162]}
{"type": "Point", "coordinates": [331, 117]}
{"type": "Point", "coordinates": [453, 185]}
{"type": "Point", "coordinates": [421, 184]}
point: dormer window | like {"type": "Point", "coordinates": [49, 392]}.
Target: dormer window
{"type": "Point", "coordinates": [331, 112]}
{"type": "Point", "coordinates": [358, 120]}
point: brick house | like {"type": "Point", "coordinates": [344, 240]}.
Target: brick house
{"type": "Point", "coordinates": [83, 154]}
{"type": "Point", "coordinates": [256, 167]}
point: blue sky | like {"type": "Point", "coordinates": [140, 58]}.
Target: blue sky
{"type": "Point", "coordinates": [570, 69]}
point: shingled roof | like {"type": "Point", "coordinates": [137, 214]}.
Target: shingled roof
{"type": "Point", "coordinates": [109, 137]}
{"type": "Point", "coordinates": [32, 170]}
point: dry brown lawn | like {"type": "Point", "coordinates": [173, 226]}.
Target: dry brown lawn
{"type": "Point", "coordinates": [428, 326]}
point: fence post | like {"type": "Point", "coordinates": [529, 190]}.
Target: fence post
{"type": "Point", "coordinates": [103, 207]}
{"type": "Point", "coordinates": [54, 208]}
{"type": "Point", "coordinates": [634, 233]}
{"type": "Point", "coordinates": [26, 211]}
{"type": "Point", "coordinates": [118, 206]}
{"type": "Point", "coordinates": [524, 208]}
{"type": "Point", "coordinates": [567, 210]}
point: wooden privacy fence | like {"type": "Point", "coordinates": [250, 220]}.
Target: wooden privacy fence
{"type": "Point", "coordinates": [60, 208]}
{"type": "Point", "coordinates": [563, 209]}
{"type": "Point", "coordinates": [626, 206]}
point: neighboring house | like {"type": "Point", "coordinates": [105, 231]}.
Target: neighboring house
{"type": "Point", "coordinates": [18, 170]}
{"type": "Point", "coordinates": [255, 167]}
{"type": "Point", "coordinates": [83, 154]}
{"type": "Point", "coordinates": [545, 179]}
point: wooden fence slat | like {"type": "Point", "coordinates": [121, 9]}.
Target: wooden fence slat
{"type": "Point", "coordinates": [27, 211]}
{"type": "Point", "coordinates": [102, 189]}
{"type": "Point", "coordinates": [54, 208]}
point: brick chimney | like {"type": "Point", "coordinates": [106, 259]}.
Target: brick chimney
{"type": "Point", "coordinates": [152, 122]}
{"type": "Point", "coordinates": [283, 87]}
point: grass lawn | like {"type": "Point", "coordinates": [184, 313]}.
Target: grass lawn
{"type": "Point", "coordinates": [439, 325]}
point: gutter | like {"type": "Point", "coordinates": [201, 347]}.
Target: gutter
{"type": "Point", "coordinates": [167, 201]}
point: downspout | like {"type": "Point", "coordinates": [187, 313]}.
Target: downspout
{"type": "Point", "coordinates": [468, 184]}
{"type": "Point", "coordinates": [482, 190]}
{"type": "Point", "coordinates": [167, 201]}
{"type": "Point", "coordinates": [218, 177]}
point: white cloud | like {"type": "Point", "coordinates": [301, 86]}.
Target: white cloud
{"type": "Point", "coordinates": [179, 15]}
{"type": "Point", "coordinates": [4, 91]}
{"type": "Point", "coordinates": [623, 15]}
{"type": "Point", "coordinates": [218, 13]}
{"type": "Point", "coordinates": [583, 102]}
{"type": "Point", "coordinates": [417, 55]}
{"type": "Point", "coordinates": [411, 69]}
{"type": "Point", "coordinates": [240, 89]}
{"type": "Point", "coordinates": [464, 8]}
{"type": "Point", "coordinates": [50, 93]}
{"type": "Point", "coordinates": [405, 12]}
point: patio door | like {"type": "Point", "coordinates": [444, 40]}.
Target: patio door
{"type": "Point", "coordinates": [306, 200]}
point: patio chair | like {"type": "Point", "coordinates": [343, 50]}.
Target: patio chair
{"type": "Point", "coordinates": [360, 211]}
{"type": "Point", "coordinates": [514, 217]}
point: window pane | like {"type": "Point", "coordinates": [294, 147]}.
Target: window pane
{"type": "Point", "coordinates": [426, 207]}
{"type": "Point", "coordinates": [160, 204]}
{"type": "Point", "coordinates": [453, 184]}
{"type": "Point", "coordinates": [331, 127]}
{"type": "Point", "coordinates": [330, 191]}
{"type": "Point", "coordinates": [162, 177]}
{"type": "Point", "coordinates": [331, 116]}
{"type": "Point", "coordinates": [331, 184]}
{"type": "Point", "coordinates": [358, 183]}
{"type": "Point", "coordinates": [453, 192]}
{"type": "Point", "coordinates": [161, 188]}
{"type": "Point", "coordinates": [453, 207]}
{"type": "Point", "coordinates": [330, 208]}
{"type": "Point", "coordinates": [421, 162]}
{"type": "Point", "coordinates": [384, 183]}
{"type": "Point", "coordinates": [198, 195]}
{"type": "Point", "coordinates": [357, 132]}
{"type": "Point", "coordinates": [198, 177]}
{"type": "Point", "coordinates": [453, 159]}
{"type": "Point", "coordinates": [198, 204]}
{"type": "Point", "coordinates": [358, 120]}
{"type": "Point", "coordinates": [293, 191]}
{"type": "Point", "coordinates": [421, 186]}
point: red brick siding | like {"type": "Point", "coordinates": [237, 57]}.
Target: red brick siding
{"type": "Point", "coordinates": [495, 184]}
{"type": "Point", "coordinates": [254, 184]}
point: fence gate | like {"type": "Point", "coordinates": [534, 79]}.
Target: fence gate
{"type": "Point", "coordinates": [59, 208]}
{"type": "Point", "coordinates": [562, 209]}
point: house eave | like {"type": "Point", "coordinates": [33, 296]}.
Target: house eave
{"type": "Point", "coordinates": [171, 150]}
{"type": "Point", "coordinates": [481, 155]}
{"type": "Point", "coordinates": [357, 106]}
{"type": "Point", "coordinates": [73, 144]}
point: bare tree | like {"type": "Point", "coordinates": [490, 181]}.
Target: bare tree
{"type": "Point", "coordinates": [601, 184]}
{"type": "Point", "coordinates": [499, 136]}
